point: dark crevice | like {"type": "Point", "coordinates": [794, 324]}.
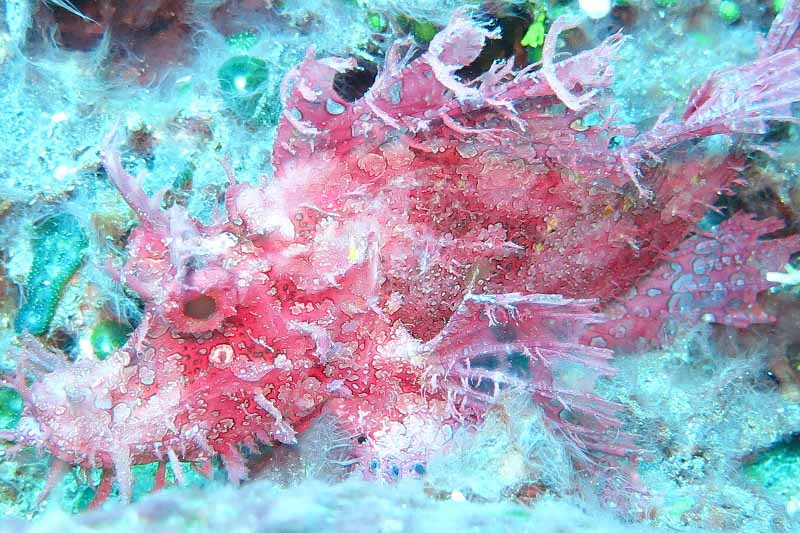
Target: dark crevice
{"type": "Point", "coordinates": [351, 85]}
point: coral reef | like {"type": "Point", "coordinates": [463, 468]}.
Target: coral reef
{"type": "Point", "coordinates": [316, 506]}
{"type": "Point", "coordinates": [434, 243]}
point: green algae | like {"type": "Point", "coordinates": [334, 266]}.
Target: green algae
{"type": "Point", "coordinates": [533, 40]}
{"type": "Point", "coordinates": [59, 248]}
{"type": "Point", "coordinates": [10, 408]}
{"type": "Point", "coordinates": [666, 3]}
{"type": "Point", "coordinates": [377, 22]}
{"type": "Point", "coordinates": [241, 75]}
{"type": "Point", "coordinates": [729, 11]}
{"type": "Point", "coordinates": [244, 81]}
{"type": "Point", "coordinates": [423, 30]}
{"type": "Point", "coordinates": [778, 470]}
{"type": "Point", "coordinates": [242, 41]}
{"type": "Point", "coordinates": [108, 336]}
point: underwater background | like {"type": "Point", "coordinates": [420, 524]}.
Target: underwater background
{"type": "Point", "coordinates": [374, 265]}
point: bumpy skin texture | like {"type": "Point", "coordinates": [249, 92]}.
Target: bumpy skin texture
{"type": "Point", "coordinates": [713, 277]}
{"type": "Point", "coordinates": [418, 251]}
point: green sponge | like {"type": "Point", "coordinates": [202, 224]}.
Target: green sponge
{"type": "Point", "coordinates": [10, 408]}
{"type": "Point", "coordinates": [246, 88]}
{"type": "Point", "coordinates": [107, 336]}
{"type": "Point", "coordinates": [59, 247]}
{"type": "Point", "coordinates": [729, 11]}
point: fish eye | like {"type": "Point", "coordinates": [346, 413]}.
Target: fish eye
{"type": "Point", "coordinates": [201, 307]}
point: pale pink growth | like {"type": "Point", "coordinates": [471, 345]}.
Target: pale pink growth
{"type": "Point", "coordinates": [784, 32]}
{"type": "Point", "coordinates": [234, 465]}
{"type": "Point", "coordinates": [33, 351]}
{"type": "Point", "coordinates": [591, 70]}
{"type": "Point", "coordinates": [445, 57]}
{"type": "Point", "coordinates": [418, 95]}
{"type": "Point", "coordinates": [576, 103]}
{"type": "Point", "coordinates": [148, 209]}
{"type": "Point", "coordinates": [176, 467]}
{"type": "Point", "coordinates": [262, 212]}
{"type": "Point", "coordinates": [121, 458]}
{"type": "Point", "coordinates": [282, 431]}
{"type": "Point", "coordinates": [321, 337]}
{"type": "Point", "coordinates": [738, 100]}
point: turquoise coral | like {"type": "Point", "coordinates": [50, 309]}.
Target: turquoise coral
{"type": "Point", "coordinates": [59, 247]}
